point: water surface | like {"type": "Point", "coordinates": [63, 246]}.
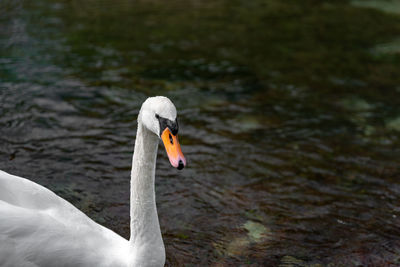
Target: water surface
{"type": "Point", "coordinates": [289, 115]}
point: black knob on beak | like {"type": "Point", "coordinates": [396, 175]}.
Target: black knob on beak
{"type": "Point", "coordinates": [180, 166]}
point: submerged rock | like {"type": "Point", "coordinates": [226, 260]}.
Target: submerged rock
{"type": "Point", "coordinates": [256, 231]}
{"type": "Point", "coordinates": [393, 124]}
{"type": "Point", "coordinates": [290, 261]}
{"type": "Point", "coordinates": [389, 6]}
{"type": "Point", "coordinates": [238, 245]}
{"type": "Point", "coordinates": [234, 247]}
{"type": "Point", "coordinates": [246, 123]}
{"type": "Point", "coordinates": [356, 104]}
{"type": "Point", "coordinates": [392, 47]}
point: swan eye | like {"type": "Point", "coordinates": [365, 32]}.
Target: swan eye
{"type": "Point", "coordinates": [166, 123]}
{"type": "Point", "coordinates": [170, 139]}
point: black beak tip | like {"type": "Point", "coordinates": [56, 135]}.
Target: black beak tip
{"type": "Point", "coordinates": [180, 166]}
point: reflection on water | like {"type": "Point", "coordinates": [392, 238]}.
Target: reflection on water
{"type": "Point", "coordinates": [289, 118]}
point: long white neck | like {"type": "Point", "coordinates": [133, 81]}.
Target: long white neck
{"type": "Point", "coordinates": [146, 242]}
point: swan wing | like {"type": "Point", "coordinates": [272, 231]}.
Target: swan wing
{"type": "Point", "coordinates": [38, 228]}
{"type": "Point", "coordinates": [9, 247]}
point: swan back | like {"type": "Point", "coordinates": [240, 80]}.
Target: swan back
{"type": "Point", "coordinates": [38, 228]}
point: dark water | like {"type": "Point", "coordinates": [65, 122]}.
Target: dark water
{"type": "Point", "coordinates": [289, 114]}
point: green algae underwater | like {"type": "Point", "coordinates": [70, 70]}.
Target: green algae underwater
{"type": "Point", "coordinates": [289, 114]}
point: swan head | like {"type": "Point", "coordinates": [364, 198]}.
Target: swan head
{"type": "Point", "coordinates": [158, 115]}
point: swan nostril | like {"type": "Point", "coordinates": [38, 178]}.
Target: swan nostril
{"type": "Point", "coordinates": [180, 166]}
{"type": "Point", "coordinates": [170, 139]}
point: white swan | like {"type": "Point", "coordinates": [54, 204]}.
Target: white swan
{"type": "Point", "coordinates": [40, 229]}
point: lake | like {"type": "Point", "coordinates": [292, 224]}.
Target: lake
{"type": "Point", "coordinates": [289, 116]}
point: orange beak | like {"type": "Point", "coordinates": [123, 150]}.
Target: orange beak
{"type": "Point", "coordinates": [173, 149]}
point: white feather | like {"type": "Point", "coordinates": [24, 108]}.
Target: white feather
{"type": "Point", "coordinates": [40, 229]}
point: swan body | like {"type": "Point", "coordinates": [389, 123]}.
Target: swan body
{"type": "Point", "coordinates": [40, 229]}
